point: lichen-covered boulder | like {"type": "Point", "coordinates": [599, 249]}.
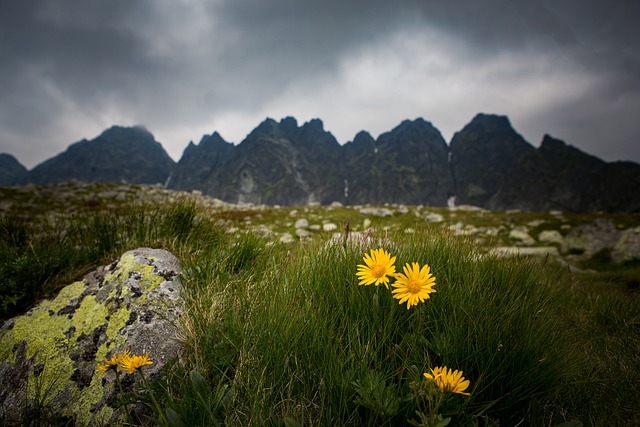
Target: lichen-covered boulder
{"type": "Point", "coordinates": [48, 357]}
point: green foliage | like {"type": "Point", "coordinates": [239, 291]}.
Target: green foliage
{"type": "Point", "coordinates": [41, 253]}
{"type": "Point", "coordinates": [283, 334]}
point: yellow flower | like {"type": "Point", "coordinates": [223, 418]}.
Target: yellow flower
{"type": "Point", "coordinates": [379, 265]}
{"type": "Point", "coordinates": [113, 362]}
{"type": "Point", "coordinates": [414, 285]}
{"type": "Point", "coordinates": [130, 363]}
{"type": "Point", "coordinates": [448, 380]}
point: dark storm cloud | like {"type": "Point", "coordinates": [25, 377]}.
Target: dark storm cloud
{"type": "Point", "coordinates": [186, 67]}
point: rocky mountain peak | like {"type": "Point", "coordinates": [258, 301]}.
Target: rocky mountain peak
{"type": "Point", "coordinates": [363, 138]}
{"type": "Point", "coordinates": [119, 154]}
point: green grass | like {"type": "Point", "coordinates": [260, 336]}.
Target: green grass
{"type": "Point", "coordinates": [284, 335]}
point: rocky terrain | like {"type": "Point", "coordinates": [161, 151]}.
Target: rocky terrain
{"type": "Point", "coordinates": [487, 164]}
{"type": "Point", "coordinates": [572, 238]}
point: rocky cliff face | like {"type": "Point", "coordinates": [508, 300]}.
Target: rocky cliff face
{"type": "Point", "coordinates": [558, 176]}
{"type": "Point", "coordinates": [278, 163]}
{"type": "Point", "coordinates": [483, 155]}
{"type": "Point", "coordinates": [11, 171]}
{"type": "Point", "coordinates": [408, 165]}
{"type": "Point", "coordinates": [200, 165]}
{"type": "Point", "coordinates": [119, 154]}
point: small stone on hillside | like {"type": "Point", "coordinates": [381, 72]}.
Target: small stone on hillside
{"type": "Point", "coordinates": [329, 226]}
{"type": "Point", "coordinates": [302, 233]}
{"type": "Point", "coordinates": [550, 236]}
{"type": "Point", "coordinates": [380, 212]}
{"type": "Point", "coordinates": [434, 217]}
{"type": "Point", "coordinates": [522, 237]}
{"type": "Point", "coordinates": [302, 223]}
{"type": "Point", "coordinates": [286, 238]}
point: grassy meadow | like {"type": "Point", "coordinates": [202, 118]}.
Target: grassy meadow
{"type": "Point", "coordinates": [281, 333]}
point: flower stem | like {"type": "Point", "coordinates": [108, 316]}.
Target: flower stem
{"type": "Point", "coordinates": [153, 398]}
{"type": "Point", "coordinates": [126, 405]}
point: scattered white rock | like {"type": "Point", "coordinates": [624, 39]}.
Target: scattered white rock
{"type": "Point", "coordinates": [535, 223]}
{"type": "Point", "coordinates": [380, 212]}
{"type": "Point", "coordinates": [522, 236]}
{"type": "Point", "coordinates": [468, 208]}
{"type": "Point", "coordinates": [366, 223]}
{"type": "Point", "coordinates": [232, 230]}
{"type": "Point", "coordinates": [409, 230]}
{"type": "Point", "coordinates": [434, 217]}
{"type": "Point", "coordinates": [263, 230]}
{"type": "Point", "coordinates": [286, 238]}
{"type": "Point", "coordinates": [329, 226]}
{"type": "Point", "coordinates": [314, 227]}
{"type": "Point", "coordinates": [301, 223]}
{"type": "Point", "coordinates": [550, 236]}
{"type": "Point", "coordinates": [293, 213]}
{"type": "Point", "coordinates": [302, 233]}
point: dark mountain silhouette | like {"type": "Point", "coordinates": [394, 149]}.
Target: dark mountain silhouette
{"type": "Point", "coordinates": [483, 154]}
{"type": "Point", "coordinates": [406, 165]}
{"type": "Point", "coordinates": [119, 154]}
{"type": "Point", "coordinates": [278, 163]}
{"type": "Point", "coordinates": [200, 164]}
{"type": "Point", "coordinates": [487, 164]}
{"type": "Point", "coordinates": [11, 171]}
{"type": "Point", "coordinates": [558, 176]}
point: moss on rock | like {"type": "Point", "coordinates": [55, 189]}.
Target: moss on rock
{"type": "Point", "coordinates": [132, 304]}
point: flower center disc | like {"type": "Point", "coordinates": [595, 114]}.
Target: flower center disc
{"type": "Point", "coordinates": [378, 271]}
{"type": "Point", "coordinates": [414, 287]}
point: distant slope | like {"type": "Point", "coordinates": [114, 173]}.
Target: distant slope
{"type": "Point", "coordinates": [119, 154]}
{"type": "Point", "coordinates": [12, 172]}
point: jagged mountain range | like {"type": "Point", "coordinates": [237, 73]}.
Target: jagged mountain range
{"type": "Point", "coordinates": [486, 164]}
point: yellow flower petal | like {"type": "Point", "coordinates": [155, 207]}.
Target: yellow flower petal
{"type": "Point", "coordinates": [448, 381]}
{"type": "Point", "coordinates": [377, 268]}
{"type": "Point", "coordinates": [414, 285]}
{"type": "Point", "coordinates": [132, 362]}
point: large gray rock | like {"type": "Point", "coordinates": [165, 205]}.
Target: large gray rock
{"type": "Point", "coordinates": [592, 237]}
{"type": "Point", "coordinates": [132, 304]}
{"type": "Point", "coordinates": [628, 246]}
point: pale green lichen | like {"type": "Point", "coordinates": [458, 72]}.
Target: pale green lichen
{"type": "Point", "coordinates": [51, 337]}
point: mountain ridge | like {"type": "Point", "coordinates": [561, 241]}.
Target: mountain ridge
{"type": "Point", "coordinates": [487, 164]}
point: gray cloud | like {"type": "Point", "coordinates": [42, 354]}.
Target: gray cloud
{"type": "Point", "coordinates": [188, 67]}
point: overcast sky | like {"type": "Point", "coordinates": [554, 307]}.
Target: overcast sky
{"type": "Point", "coordinates": [184, 68]}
